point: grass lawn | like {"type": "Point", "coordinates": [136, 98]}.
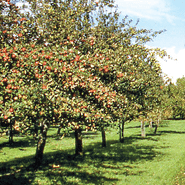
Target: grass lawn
{"type": "Point", "coordinates": [155, 160]}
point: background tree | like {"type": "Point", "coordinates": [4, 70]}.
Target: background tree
{"type": "Point", "coordinates": [175, 100]}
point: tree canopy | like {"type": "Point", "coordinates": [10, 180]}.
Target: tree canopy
{"type": "Point", "coordinates": [73, 62]}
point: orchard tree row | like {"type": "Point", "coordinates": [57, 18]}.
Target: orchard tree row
{"type": "Point", "coordinates": [175, 100]}
{"type": "Point", "coordinates": [73, 63]}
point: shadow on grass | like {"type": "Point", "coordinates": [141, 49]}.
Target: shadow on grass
{"type": "Point", "coordinates": [172, 132]}
{"type": "Point", "coordinates": [116, 152]}
{"type": "Point", "coordinates": [97, 166]}
{"type": "Point", "coordinates": [89, 134]}
{"type": "Point", "coordinates": [18, 171]}
{"type": "Point", "coordinates": [131, 127]}
{"type": "Point", "coordinates": [25, 142]}
{"type": "Point", "coordinates": [149, 137]}
{"type": "Point", "coordinates": [164, 123]}
{"type": "Point", "coordinates": [30, 142]}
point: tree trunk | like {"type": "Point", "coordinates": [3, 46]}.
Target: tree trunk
{"type": "Point", "coordinates": [156, 126]}
{"type": "Point", "coordinates": [155, 131]}
{"type": "Point", "coordinates": [41, 144]}
{"type": "Point", "coordinates": [143, 129]}
{"type": "Point", "coordinates": [60, 126]}
{"type": "Point", "coordinates": [10, 133]}
{"type": "Point", "coordinates": [58, 131]}
{"type": "Point", "coordinates": [150, 124]}
{"type": "Point", "coordinates": [103, 138]}
{"type": "Point", "coordinates": [121, 132]}
{"type": "Point", "coordinates": [78, 141]}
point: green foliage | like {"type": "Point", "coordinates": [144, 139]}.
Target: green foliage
{"type": "Point", "coordinates": [67, 63]}
{"type": "Point", "coordinates": [175, 101]}
{"type": "Point", "coordinates": [63, 65]}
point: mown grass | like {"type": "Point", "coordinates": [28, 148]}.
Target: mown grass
{"type": "Point", "coordinates": [157, 159]}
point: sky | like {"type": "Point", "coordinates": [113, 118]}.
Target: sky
{"type": "Point", "coordinates": [158, 15]}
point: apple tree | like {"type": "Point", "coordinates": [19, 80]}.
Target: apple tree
{"type": "Point", "coordinates": [72, 69]}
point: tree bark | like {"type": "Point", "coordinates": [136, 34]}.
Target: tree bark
{"type": "Point", "coordinates": [41, 144]}
{"type": "Point", "coordinates": [103, 138]}
{"type": "Point", "coordinates": [121, 132]}
{"type": "Point", "coordinates": [156, 126]}
{"type": "Point", "coordinates": [158, 122]}
{"type": "Point", "coordinates": [143, 129]}
{"type": "Point", "coordinates": [60, 126]}
{"type": "Point", "coordinates": [10, 133]}
{"type": "Point", "coordinates": [151, 124]}
{"type": "Point", "coordinates": [78, 141]}
{"type": "Point", "coordinates": [58, 131]}
{"type": "Point", "coordinates": [155, 131]}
